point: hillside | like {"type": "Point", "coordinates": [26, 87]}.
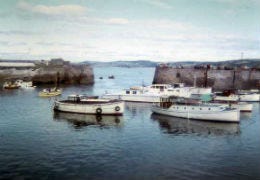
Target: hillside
{"type": "Point", "coordinates": [147, 63]}
{"type": "Point", "coordinates": [128, 64]}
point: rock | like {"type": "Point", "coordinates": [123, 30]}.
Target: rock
{"type": "Point", "coordinates": [53, 72]}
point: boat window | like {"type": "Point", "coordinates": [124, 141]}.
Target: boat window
{"type": "Point", "coordinates": [177, 108]}
{"type": "Point", "coordinates": [134, 92]}
{"type": "Point", "coordinates": [209, 108]}
{"type": "Point", "coordinates": [200, 108]}
{"type": "Point", "coordinates": [127, 92]}
{"type": "Point", "coordinates": [192, 108]}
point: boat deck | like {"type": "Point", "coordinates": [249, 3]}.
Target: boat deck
{"type": "Point", "coordinates": [90, 101]}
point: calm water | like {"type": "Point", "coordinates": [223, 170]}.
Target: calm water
{"type": "Point", "coordinates": [36, 143]}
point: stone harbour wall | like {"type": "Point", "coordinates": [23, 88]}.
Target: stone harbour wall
{"type": "Point", "coordinates": [63, 74]}
{"type": "Point", "coordinates": [217, 79]}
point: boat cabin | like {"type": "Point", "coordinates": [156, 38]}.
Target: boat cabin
{"type": "Point", "coordinates": [167, 101]}
{"type": "Point", "coordinates": [78, 98]}
{"type": "Point", "coordinates": [160, 87]}
{"type": "Point", "coordinates": [132, 91]}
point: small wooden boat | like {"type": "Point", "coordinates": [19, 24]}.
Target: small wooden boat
{"type": "Point", "coordinates": [50, 92]}
{"type": "Point", "coordinates": [90, 105]}
{"type": "Point", "coordinates": [191, 109]}
{"type": "Point", "coordinates": [11, 85]}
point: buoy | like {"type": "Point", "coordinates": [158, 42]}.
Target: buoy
{"type": "Point", "coordinates": [117, 108]}
{"type": "Point", "coordinates": [98, 110]}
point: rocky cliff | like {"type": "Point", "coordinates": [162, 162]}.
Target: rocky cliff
{"type": "Point", "coordinates": [217, 79]}
{"type": "Point", "coordinates": [51, 73]}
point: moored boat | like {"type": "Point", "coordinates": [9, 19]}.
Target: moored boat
{"type": "Point", "coordinates": [11, 85]}
{"type": "Point", "coordinates": [90, 105]}
{"type": "Point", "coordinates": [50, 92]}
{"type": "Point", "coordinates": [249, 97]}
{"type": "Point", "coordinates": [153, 92]}
{"type": "Point", "coordinates": [191, 109]}
{"type": "Point", "coordinates": [226, 96]}
{"type": "Point", "coordinates": [242, 106]}
{"type": "Point", "coordinates": [242, 95]}
{"type": "Point", "coordinates": [25, 84]}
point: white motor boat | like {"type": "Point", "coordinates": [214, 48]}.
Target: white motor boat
{"type": "Point", "coordinates": [90, 105]}
{"type": "Point", "coordinates": [249, 97]}
{"type": "Point", "coordinates": [25, 84]}
{"type": "Point", "coordinates": [226, 96]}
{"type": "Point", "coordinates": [242, 106]}
{"type": "Point", "coordinates": [153, 92]}
{"type": "Point", "coordinates": [186, 108]}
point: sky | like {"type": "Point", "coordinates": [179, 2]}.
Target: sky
{"type": "Point", "coordinates": [109, 30]}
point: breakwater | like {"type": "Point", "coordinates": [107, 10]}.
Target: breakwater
{"type": "Point", "coordinates": [215, 78]}
{"type": "Point", "coordinates": [50, 72]}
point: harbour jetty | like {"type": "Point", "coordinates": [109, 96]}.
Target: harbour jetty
{"type": "Point", "coordinates": [207, 76]}
{"type": "Point", "coordinates": [47, 71]}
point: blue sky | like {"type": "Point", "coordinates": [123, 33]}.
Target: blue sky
{"type": "Point", "coordinates": [107, 30]}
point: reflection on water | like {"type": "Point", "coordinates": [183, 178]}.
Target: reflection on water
{"type": "Point", "coordinates": [245, 115]}
{"type": "Point", "coordinates": [137, 108]}
{"type": "Point", "coordinates": [81, 120]}
{"type": "Point", "coordinates": [174, 125]}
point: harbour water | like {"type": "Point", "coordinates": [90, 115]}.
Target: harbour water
{"type": "Point", "coordinates": [36, 143]}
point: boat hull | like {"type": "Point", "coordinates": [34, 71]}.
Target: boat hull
{"type": "Point", "coordinates": [243, 106]}
{"type": "Point", "coordinates": [110, 108]}
{"type": "Point", "coordinates": [250, 97]}
{"type": "Point", "coordinates": [50, 94]}
{"type": "Point", "coordinates": [11, 87]}
{"type": "Point", "coordinates": [223, 116]}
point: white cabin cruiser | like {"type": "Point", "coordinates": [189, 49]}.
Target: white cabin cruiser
{"type": "Point", "coordinates": [249, 96]}
{"type": "Point", "coordinates": [245, 96]}
{"type": "Point", "coordinates": [90, 105]}
{"type": "Point", "coordinates": [190, 109]}
{"type": "Point", "coordinates": [242, 106]}
{"type": "Point", "coordinates": [232, 100]}
{"type": "Point", "coordinates": [25, 84]}
{"type": "Point", "coordinates": [153, 92]}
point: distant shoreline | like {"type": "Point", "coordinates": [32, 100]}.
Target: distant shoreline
{"type": "Point", "coordinates": [251, 63]}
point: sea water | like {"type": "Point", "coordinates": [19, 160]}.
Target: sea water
{"type": "Point", "coordinates": [36, 143]}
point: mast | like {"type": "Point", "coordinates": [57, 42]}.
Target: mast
{"type": "Point", "coordinates": [195, 81]}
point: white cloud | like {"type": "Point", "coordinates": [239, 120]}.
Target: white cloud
{"type": "Point", "coordinates": [116, 21]}
{"type": "Point", "coordinates": [158, 3]}
{"type": "Point", "coordinates": [69, 9]}
{"type": "Point", "coordinates": [100, 37]}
